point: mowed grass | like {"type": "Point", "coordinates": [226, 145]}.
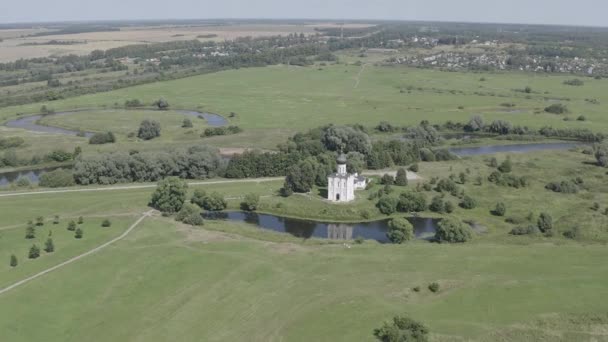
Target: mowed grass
{"type": "Point", "coordinates": [167, 284]}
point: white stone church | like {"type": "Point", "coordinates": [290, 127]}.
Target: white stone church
{"type": "Point", "coordinates": [341, 185]}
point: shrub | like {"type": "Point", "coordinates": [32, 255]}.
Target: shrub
{"type": "Point", "coordinates": [468, 203]}
{"type": "Point", "coordinates": [416, 289]}
{"type": "Point", "coordinates": [446, 185]}
{"type": "Point", "coordinates": [400, 230]}
{"type": "Point", "coordinates": [434, 287]}
{"type": "Point", "coordinates": [437, 205]}
{"type": "Point", "coordinates": [56, 219]}
{"type": "Point", "coordinates": [557, 108]}
{"type": "Point", "coordinates": [402, 329]}
{"type": "Point", "coordinates": [170, 195]}
{"type": "Point", "coordinates": [187, 123]}
{"type": "Point", "coordinates": [527, 230]}
{"type": "Point", "coordinates": [49, 246]}
{"type": "Point", "coordinates": [387, 179]}
{"type": "Point", "coordinates": [214, 202]}
{"type": "Point", "coordinates": [581, 118]}
{"type": "Point", "coordinates": [453, 231]}
{"type": "Point", "coordinates": [23, 182]}
{"type": "Point", "coordinates": [214, 131]}
{"type": "Point", "coordinates": [161, 104]}
{"type": "Point", "coordinates": [34, 252]}
{"type": "Point", "coordinates": [80, 220]}
{"type": "Point", "coordinates": [387, 205]}
{"type": "Point", "coordinates": [401, 179]}
{"type": "Point", "coordinates": [251, 202]}
{"type": "Point", "coordinates": [133, 103]}
{"type": "Point", "coordinates": [72, 226]}
{"type": "Point", "coordinates": [57, 179]}
{"type": "Point", "coordinates": [102, 138]}
{"type": "Point", "coordinates": [106, 223]}
{"type": "Point", "coordinates": [40, 221]}
{"type": "Point", "coordinates": [190, 214]}
{"type": "Point", "coordinates": [545, 224]}
{"type": "Point", "coordinates": [149, 129]}
{"type": "Point", "coordinates": [411, 202]}
{"type": "Point", "coordinates": [359, 240]}
{"type": "Point", "coordinates": [13, 262]}
{"type": "Point", "coordinates": [414, 167]}
{"type": "Point", "coordinates": [567, 187]}
{"type": "Point", "coordinates": [30, 232]}
{"type": "Point", "coordinates": [574, 82]}
{"type": "Point", "coordinates": [505, 166]}
{"type": "Point", "coordinates": [500, 209]}
{"type": "Point", "coordinates": [78, 234]}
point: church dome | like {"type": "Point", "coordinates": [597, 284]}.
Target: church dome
{"type": "Point", "coordinates": [341, 159]}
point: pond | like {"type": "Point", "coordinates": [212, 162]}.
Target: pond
{"type": "Point", "coordinates": [30, 123]}
{"type": "Point", "coordinates": [6, 178]}
{"type": "Point", "coordinates": [424, 228]}
{"type": "Point", "coordinates": [515, 148]}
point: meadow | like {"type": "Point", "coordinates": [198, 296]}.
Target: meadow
{"type": "Point", "coordinates": [168, 281]}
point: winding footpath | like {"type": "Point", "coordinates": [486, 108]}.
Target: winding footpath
{"type": "Point", "coordinates": [78, 257]}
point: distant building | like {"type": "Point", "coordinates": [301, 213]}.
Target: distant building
{"type": "Point", "coordinates": [341, 185]}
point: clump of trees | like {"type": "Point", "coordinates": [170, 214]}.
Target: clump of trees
{"type": "Point", "coordinates": [57, 179]}
{"type": "Point", "coordinates": [401, 178]}
{"type": "Point", "coordinates": [410, 202]}
{"type": "Point", "coordinates": [452, 230]}
{"type": "Point", "coordinates": [102, 138]}
{"type": "Point", "coordinates": [402, 329]}
{"type": "Point", "coordinates": [566, 186]}
{"type": "Point", "coordinates": [468, 202]}
{"type": "Point", "coordinates": [212, 202]}
{"type": "Point", "coordinates": [400, 230]}
{"type": "Point", "coordinates": [509, 180]}
{"type": "Point", "coordinates": [213, 131]}
{"type": "Point", "coordinates": [149, 129]}
{"type": "Point", "coordinates": [250, 202]}
{"type": "Point", "coordinates": [170, 195]}
{"type": "Point", "coordinates": [197, 162]}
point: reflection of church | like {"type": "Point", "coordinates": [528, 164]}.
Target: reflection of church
{"type": "Point", "coordinates": [339, 232]}
{"type": "Point", "coordinates": [341, 185]}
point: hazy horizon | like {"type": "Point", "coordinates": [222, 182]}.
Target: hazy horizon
{"type": "Point", "coordinates": [542, 12]}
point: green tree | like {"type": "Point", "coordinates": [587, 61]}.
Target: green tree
{"type": "Point", "coordinates": [387, 205]}
{"type": "Point", "coordinates": [187, 123]}
{"type": "Point", "coordinates": [453, 231]}
{"type": "Point", "coordinates": [505, 166]}
{"type": "Point", "coordinates": [72, 226]}
{"type": "Point", "coordinates": [500, 209]}
{"type": "Point", "coordinates": [30, 232]}
{"type": "Point", "coordinates": [437, 205]}
{"type": "Point", "coordinates": [106, 223]}
{"type": "Point", "coordinates": [214, 202]}
{"type": "Point", "coordinates": [401, 179]}
{"type": "Point", "coordinates": [34, 252]}
{"type": "Point", "coordinates": [49, 246]}
{"type": "Point", "coordinates": [251, 202]}
{"type": "Point", "coordinates": [40, 221]}
{"type": "Point", "coordinates": [80, 220]}
{"type": "Point", "coordinates": [13, 262]}
{"type": "Point", "coordinates": [468, 202]}
{"type": "Point", "coordinates": [149, 129]}
{"type": "Point", "coordinates": [162, 104]}
{"type": "Point", "coordinates": [410, 202]}
{"type": "Point", "coordinates": [198, 197]}
{"type": "Point", "coordinates": [170, 195]}
{"type": "Point", "coordinates": [434, 287]}
{"type": "Point", "coordinates": [300, 177]}
{"type": "Point", "coordinates": [402, 329]}
{"type": "Point", "coordinates": [56, 219]}
{"type": "Point", "coordinates": [449, 207]}
{"type": "Point", "coordinates": [190, 214]}
{"type": "Point", "coordinates": [545, 224]}
{"type": "Point", "coordinates": [387, 179]}
{"type": "Point", "coordinates": [400, 230]}
{"type": "Point", "coordinates": [78, 233]}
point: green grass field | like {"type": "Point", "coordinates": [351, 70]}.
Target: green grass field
{"type": "Point", "coordinates": [273, 102]}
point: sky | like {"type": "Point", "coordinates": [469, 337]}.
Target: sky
{"type": "Point", "coordinates": [561, 12]}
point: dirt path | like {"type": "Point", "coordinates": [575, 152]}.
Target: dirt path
{"type": "Point", "coordinates": [132, 187]}
{"type": "Point", "coordinates": [358, 78]}
{"type": "Point", "coordinates": [78, 257]}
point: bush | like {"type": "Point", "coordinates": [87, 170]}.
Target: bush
{"type": "Point", "coordinates": [133, 103]}
{"type": "Point", "coordinates": [400, 230]}
{"type": "Point", "coordinates": [414, 167]}
{"type": "Point", "coordinates": [434, 287]}
{"type": "Point", "coordinates": [557, 108]}
{"type": "Point", "coordinates": [34, 252]}
{"type": "Point", "coordinates": [567, 187]}
{"type": "Point", "coordinates": [106, 223]}
{"type": "Point", "coordinates": [213, 131]}
{"type": "Point", "coordinates": [40, 221]}
{"type": "Point", "coordinates": [102, 138]}
{"type": "Point", "coordinates": [449, 207]}
{"type": "Point", "coordinates": [13, 262]}
{"type": "Point", "coordinates": [72, 226]}
{"type": "Point", "coordinates": [437, 204]}
{"type": "Point", "coordinates": [545, 224]}
{"type": "Point", "coordinates": [162, 104]}
{"type": "Point", "coordinates": [387, 179]}
{"type": "Point", "coordinates": [251, 202]}
{"type": "Point", "coordinates": [187, 123]}
{"type": "Point", "coordinates": [402, 329]}
{"type": "Point", "coordinates": [79, 233]}
{"type": "Point", "coordinates": [500, 209]}
{"type": "Point", "coordinates": [149, 129]}
{"type": "Point", "coordinates": [446, 185]}
{"type": "Point", "coordinates": [11, 142]}
{"type": "Point", "coordinates": [574, 82]}
{"type": "Point", "coordinates": [581, 118]}
{"type": "Point", "coordinates": [387, 205]}
{"type": "Point", "coordinates": [190, 214]}
{"type": "Point", "coordinates": [80, 220]}
{"type": "Point", "coordinates": [59, 156]}
{"type": "Point", "coordinates": [505, 166]}
{"type": "Point", "coordinates": [528, 230]}
{"type": "Point", "coordinates": [57, 179]}
{"type": "Point", "coordinates": [468, 203]}
{"type": "Point", "coordinates": [453, 231]}
{"type": "Point", "coordinates": [30, 232]}
{"type": "Point", "coordinates": [214, 202]}
{"type": "Point", "coordinates": [23, 182]}
{"type": "Point", "coordinates": [49, 246]}
{"type": "Point", "coordinates": [170, 195]}
{"type": "Point", "coordinates": [411, 202]}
